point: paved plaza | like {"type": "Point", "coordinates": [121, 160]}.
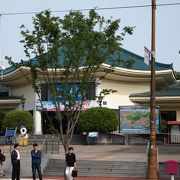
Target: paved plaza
{"type": "Point", "coordinates": [133, 153]}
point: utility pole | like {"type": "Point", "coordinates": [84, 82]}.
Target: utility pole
{"type": "Point", "coordinates": [152, 170]}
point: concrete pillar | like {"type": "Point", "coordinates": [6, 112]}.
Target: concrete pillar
{"type": "Point", "coordinates": [37, 122]}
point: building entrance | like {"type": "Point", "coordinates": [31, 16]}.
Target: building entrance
{"type": "Point", "coordinates": [49, 121]}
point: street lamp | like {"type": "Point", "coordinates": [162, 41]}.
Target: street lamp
{"type": "Point", "coordinates": [23, 102]}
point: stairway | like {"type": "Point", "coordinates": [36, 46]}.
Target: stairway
{"type": "Point", "coordinates": [105, 169]}
{"type": "Point", "coordinates": [99, 168]}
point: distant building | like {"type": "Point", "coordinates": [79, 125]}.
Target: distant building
{"type": "Point", "coordinates": [133, 86]}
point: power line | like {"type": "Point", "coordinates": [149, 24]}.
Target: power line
{"type": "Point", "coordinates": [101, 8]}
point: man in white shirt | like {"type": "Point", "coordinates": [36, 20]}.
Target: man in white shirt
{"type": "Point", "coordinates": [15, 159]}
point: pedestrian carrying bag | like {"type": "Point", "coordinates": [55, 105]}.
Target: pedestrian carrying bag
{"type": "Point", "coordinates": [74, 173]}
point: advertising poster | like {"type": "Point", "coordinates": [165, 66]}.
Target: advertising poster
{"type": "Point", "coordinates": [136, 119]}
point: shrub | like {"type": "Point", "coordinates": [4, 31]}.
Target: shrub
{"type": "Point", "coordinates": [17, 119]}
{"type": "Point", "coordinates": [98, 119]}
{"type": "Point", "coordinates": [2, 115]}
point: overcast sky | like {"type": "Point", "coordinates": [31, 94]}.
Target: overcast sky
{"type": "Point", "coordinates": [167, 24]}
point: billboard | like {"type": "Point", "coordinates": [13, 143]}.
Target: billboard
{"type": "Point", "coordinates": [136, 119]}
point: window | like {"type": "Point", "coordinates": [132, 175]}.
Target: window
{"type": "Point", "coordinates": [168, 115]}
{"type": "Point", "coordinates": [4, 91]}
{"type": "Point", "coordinates": [71, 89]}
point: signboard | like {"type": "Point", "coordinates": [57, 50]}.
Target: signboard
{"type": "Point", "coordinates": [136, 119]}
{"type": "Point", "coordinates": [49, 105]}
{"type": "Point", "coordinates": [93, 134]}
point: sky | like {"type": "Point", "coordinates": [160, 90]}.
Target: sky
{"type": "Point", "coordinates": [167, 24]}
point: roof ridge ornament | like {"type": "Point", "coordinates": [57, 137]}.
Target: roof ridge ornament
{"type": "Point", "coordinates": [2, 68]}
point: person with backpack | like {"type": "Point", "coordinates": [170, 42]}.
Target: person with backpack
{"type": "Point", "coordinates": [2, 159]}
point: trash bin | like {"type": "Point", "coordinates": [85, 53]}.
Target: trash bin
{"type": "Point", "coordinates": [172, 168]}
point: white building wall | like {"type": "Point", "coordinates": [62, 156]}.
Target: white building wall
{"type": "Point", "coordinates": [124, 89]}
{"type": "Point", "coordinates": [30, 104]}
{"type": "Point", "coordinates": [28, 92]}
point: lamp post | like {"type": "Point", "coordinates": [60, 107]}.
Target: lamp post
{"type": "Point", "coordinates": [23, 102]}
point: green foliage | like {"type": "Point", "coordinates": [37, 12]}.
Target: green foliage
{"type": "Point", "coordinates": [17, 119]}
{"type": "Point", "coordinates": [136, 116]}
{"type": "Point", "coordinates": [163, 126]}
{"type": "Point", "coordinates": [98, 119]}
{"type": "Point", "coordinates": [104, 93]}
{"type": "Point", "coordinates": [177, 75]}
{"type": "Point", "coordinates": [2, 115]}
{"type": "Point", "coordinates": [70, 50]}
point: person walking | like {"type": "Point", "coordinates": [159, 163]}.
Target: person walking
{"type": "Point", "coordinates": [70, 163]}
{"type": "Point", "coordinates": [15, 160]}
{"type": "Point", "coordinates": [2, 159]}
{"type": "Point", "coordinates": [36, 161]}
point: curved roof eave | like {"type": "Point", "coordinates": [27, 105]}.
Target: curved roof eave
{"type": "Point", "coordinates": [158, 99]}
{"type": "Point", "coordinates": [167, 75]}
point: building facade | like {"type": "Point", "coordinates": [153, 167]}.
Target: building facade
{"type": "Point", "coordinates": [132, 85]}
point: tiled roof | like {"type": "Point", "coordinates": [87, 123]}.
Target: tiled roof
{"type": "Point", "coordinates": [124, 56]}
{"type": "Point", "coordinates": [173, 90]}
{"type": "Point", "coordinates": [138, 62]}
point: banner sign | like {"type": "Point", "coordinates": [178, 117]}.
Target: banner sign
{"type": "Point", "coordinates": [49, 105]}
{"type": "Point", "coordinates": [136, 119]}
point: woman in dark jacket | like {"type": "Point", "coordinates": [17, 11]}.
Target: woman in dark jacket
{"type": "Point", "coordinates": [70, 163]}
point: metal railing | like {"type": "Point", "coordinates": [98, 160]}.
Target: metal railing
{"type": "Point", "coordinates": [49, 145]}
{"type": "Point", "coordinates": [142, 138]}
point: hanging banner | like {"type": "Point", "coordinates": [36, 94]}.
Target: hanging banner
{"type": "Point", "coordinates": [49, 105]}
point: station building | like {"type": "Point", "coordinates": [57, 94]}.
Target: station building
{"type": "Point", "coordinates": [132, 85]}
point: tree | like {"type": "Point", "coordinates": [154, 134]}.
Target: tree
{"type": "Point", "coordinates": [99, 119]}
{"type": "Point", "coordinates": [17, 119]}
{"type": "Point", "coordinates": [70, 52]}
{"type": "Point", "coordinates": [177, 75]}
{"type": "Point", "coordinates": [2, 115]}
{"type": "Point", "coordinates": [104, 93]}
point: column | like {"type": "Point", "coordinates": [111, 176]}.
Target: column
{"type": "Point", "coordinates": [37, 122]}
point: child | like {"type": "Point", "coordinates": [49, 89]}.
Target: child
{"type": "Point", "coordinates": [2, 158]}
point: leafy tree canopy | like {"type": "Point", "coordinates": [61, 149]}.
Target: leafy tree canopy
{"type": "Point", "coordinates": [98, 119]}
{"type": "Point", "coordinates": [17, 119]}
{"type": "Point", "coordinates": [70, 50]}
